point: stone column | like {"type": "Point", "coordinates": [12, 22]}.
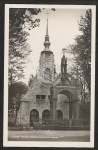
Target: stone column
{"type": "Point", "coordinates": [51, 109]}
{"type": "Point", "coordinates": [77, 108]}
{"type": "Point", "coordinates": [40, 117]}
{"type": "Point", "coordinates": [55, 109]}
{"type": "Point", "coordinates": [70, 110]}
{"type": "Point", "coordinates": [70, 114]}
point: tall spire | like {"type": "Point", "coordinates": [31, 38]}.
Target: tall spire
{"type": "Point", "coordinates": [47, 43]}
{"type": "Point", "coordinates": [47, 27]}
{"type": "Point", "coordinates": [47, 23]}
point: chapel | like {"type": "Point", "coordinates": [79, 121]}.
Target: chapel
{"type": "Point", "coordinates": [44, 100]}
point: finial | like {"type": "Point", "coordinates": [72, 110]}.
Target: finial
{"type": "Point", "coordinates": [47, 23]}
{"type": "Point", "coordinates": [64, 50]}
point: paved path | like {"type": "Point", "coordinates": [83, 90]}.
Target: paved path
{"type": "Point", "coordinates": [49, 135]}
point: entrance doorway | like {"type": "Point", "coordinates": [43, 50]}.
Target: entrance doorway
{"type": "Point", "coordinates": [65, 104]}
{"type": "Point", "coordinates": [34, 116]}
{"type": "Point", "coordinates": [45, 116]}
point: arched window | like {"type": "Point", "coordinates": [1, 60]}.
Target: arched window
{"type": "Point", "coordinates": [46, 114]}
{"type": "Point", "coordinates": [47, 74]}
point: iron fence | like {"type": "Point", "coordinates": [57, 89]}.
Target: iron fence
{"type": "Point", "coordinates": [62, 122]}
{"type": "Point", "coordinates": [55, 124]}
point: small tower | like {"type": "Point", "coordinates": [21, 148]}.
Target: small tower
{"type": "Point", "coordinates": [63, 67]}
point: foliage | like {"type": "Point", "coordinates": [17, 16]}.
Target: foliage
{"type": "Point", "coordinates": [85, 111]}
{"type": "Point", "coordinates": [16, 90]}
{"type": "Point", "coordinates": [82, 49]}
{"type": "Point", "coordinates": [20, 21]}
{"type": "Point", "coordinates": [77, 73]}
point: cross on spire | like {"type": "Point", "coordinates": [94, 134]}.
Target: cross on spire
{"type": "Point", "coordinates": [47, 14]}
{"type": "Point", "coordinates": [64, 50]}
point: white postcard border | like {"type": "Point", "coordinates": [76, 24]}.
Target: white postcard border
{"type": "Point", "coordinates": [5, 112]}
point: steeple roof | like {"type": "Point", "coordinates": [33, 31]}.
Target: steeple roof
{"type": "Point", "coordinates": [47, 43]}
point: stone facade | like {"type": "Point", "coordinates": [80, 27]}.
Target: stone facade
{"type": "Point", "coordinates": [29, 102]}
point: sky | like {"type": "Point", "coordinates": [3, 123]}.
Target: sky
{"type": "Point", "coordinates": [62, 29]}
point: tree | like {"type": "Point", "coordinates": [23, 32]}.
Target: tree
{"type": "Point", "coordinates": [82, 48]}
{"type": "Point", "coordinates": [16, 91]}
{"type": "Point", "coordinates": [20, 21]}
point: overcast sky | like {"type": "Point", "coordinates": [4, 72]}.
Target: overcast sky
{"type": "Point", "coordinates": [62, 27]}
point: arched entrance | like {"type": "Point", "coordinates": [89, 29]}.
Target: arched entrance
{"type": "Point", "coordinates": [63, 105]}
{"type": "Point", "coordinates": [59, 114]}
{"type": "Point", "coordinates": [45, 116]}
{"type": "Point", "coordinates": [34, 116]}
{"type": "Point", "coordinates": [66, 99]}
{"type": "Point", "coordinates": [68, 102]}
